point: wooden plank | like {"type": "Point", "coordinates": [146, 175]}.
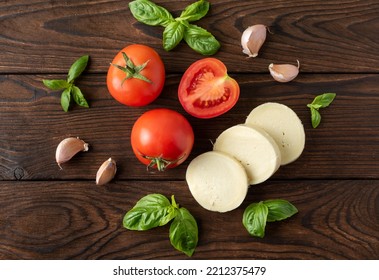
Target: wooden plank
{"type": "Point", "coordinates": [76, 220]}
{"type": "Point", "coordinates": [337, 36]}
{"type": "Point", "coordinates": [345, 145]}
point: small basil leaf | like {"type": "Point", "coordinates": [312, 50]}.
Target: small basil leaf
{"type": "Point", "coordinates": [77, 68]}
{"type": "Point", "coordinates": [184, 232]}
{"type": "Point", "coordinates": [172, 35]}
{"type": "Point", "coordinates": [79, 97]}
{"type": "Point", "coordinates": [56, 84]}
{"type": "Point", "coordinates": [195, 11]}
{"type": "Point", "coordinates": [315, 106]}
{"type": "Point", "coordinates": [279, 209]}
{"type": "Point", "coordinates": [149, 13]}
{"type": "Point", "coordinates": [200, 40]}
{"type": "Point", "coordinates": [150, 211]}
{"type": "Point", "coordinates": [323, 100]}
{"type": "Point", "coordinates": [254, 219]}
{"type": "Point", "coordinates": [65, 99]}
{"type": "Point", "coordinates": [315, 117]}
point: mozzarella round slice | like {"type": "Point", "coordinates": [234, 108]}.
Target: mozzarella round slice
{"type": "Point", "coordinates": [217, 181]}
{"type": "Point", "coordinates": [284, 126]}
{"type": "Point", "coordinates": [254, 148]}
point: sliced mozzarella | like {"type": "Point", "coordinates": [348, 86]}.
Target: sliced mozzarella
{"type": "Point", "coordinates": [285, 127]}
{"type": "Point", "coordinates": [254, 148]}
{"type": "Point", "coordinates": [217, 181]}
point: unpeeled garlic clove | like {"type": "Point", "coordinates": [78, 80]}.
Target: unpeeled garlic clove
{"type": "Point", "coordinates": [284, 72]}
{"type": "Point", "coordinates": [69, 147]}
{"type": "Point", "coordinates": [106, 172]}
{"type": "Point", "coordinates": [252, 39]}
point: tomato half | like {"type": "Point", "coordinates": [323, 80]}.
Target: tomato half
{"type": "Point", "coordinates": [162, 138]}
{"type": "Point", "coordinates": [206, 91]}
{"type": "Point", "coordinates": [136, 75]}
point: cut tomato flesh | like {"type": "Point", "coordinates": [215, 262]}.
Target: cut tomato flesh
{"type": "Point", "coordinates": [206, 90]}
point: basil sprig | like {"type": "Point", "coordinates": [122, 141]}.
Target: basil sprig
{"type": "Point", "coordinates": [155, 210]}
{"type": "Point", "coordinates": [176, 29]}
{"type": "Point", "coordinates": [320, 101]}
{"type": "Point", "coordinates": [68, 86]}
{"type": "Point", "coordinates": [256, 215]}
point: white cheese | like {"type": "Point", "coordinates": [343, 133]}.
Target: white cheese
{"type": "Point", "coordinates": [217, 181]}
{"type": "Point", "coordinates": [285, 127]}
{"type": "Point", "coordinates": [253, 148]}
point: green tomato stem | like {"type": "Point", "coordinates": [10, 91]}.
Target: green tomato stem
{"type": "Point", "coordinates": [160, 163]}
{"type": "Point", "coordinates": [131, 70]}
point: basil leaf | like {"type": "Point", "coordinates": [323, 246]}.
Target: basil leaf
{"type": "Point", "coordinates": [323, 100]}
{"type": "Point", "coordinates": [315, 117]}
{"type": "Point", "coordinates": [56, 84]}
{"type": "Point", "coordinates": [77, 68]}
{"type": "Point", "coordinates": [200, 40]}
{"type": "Point", "coordinates": [172, 35]}
{"type": "Point", "coordinates": [184, 232]}
{"type": "Point", "coordinates": [320, 101]}
{"type": "Point", "coordinates": [79, 97]}
{"type": "Point", "coordinates": [315, 106]}
{"type": "Point", "coordinates": [279, 209]}
{"type": "Point", "coordinates": [150, 211]}
{"type": "Point", "coordinates": [254, 219]}
{"type": "Point", "coordinates": [65, 99]}
{"type": "Point", "coordinates": [149, 13]}
{"type": "Point", "coordinates": [195, 11]}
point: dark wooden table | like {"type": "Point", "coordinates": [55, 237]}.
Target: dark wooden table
{"type": "Point", "coordinates": [48, 213]}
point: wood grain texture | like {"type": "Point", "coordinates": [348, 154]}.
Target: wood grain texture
{"type": "Point", "coordinates": [345, 145]}
{"type": "Point", "coordinates": [47, 36]}
{"type": "Point", "coordinates": [73, 220]}
{"type": "Point", "coordinates": [48, 213]}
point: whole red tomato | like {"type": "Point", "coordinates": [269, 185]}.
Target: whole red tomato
{"type": "Point", "coordinates": [206, 91]}
{"type": "Point", "coordinates": [136, 75]}
{"type": "Point", "coordinates": [162, 138]}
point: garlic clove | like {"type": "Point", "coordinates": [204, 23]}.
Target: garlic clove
{"type": "Point", "coordinates": [284, 72]}
{"type": "Point", "coordinates": [252, 39]}
{"type": "Point", "coordinates": [106, 172]}
{"type": "Point", "coordinates": [69, 147]}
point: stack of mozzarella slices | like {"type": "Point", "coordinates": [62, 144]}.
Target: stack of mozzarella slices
{"type": "Point", "coordinates": [245, 154]}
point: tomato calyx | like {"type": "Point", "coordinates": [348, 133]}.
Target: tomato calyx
{"type": "Point", "coordinates": [159, 162]}
{"type": "Point", "coordinates": [131, 70]}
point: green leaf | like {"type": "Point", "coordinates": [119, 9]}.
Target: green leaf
{"type": "Point", "coordinates": [184, 232]}
{"type": "Point", "coordinates": [254, 219]}
{"type": "Point", "coordinates": [172, 35]}
{"type": "Point", "coordinates": [56, 84]}
{"type": "Point", "coordinates": [314, 106]}
{"type": "Point", "coordinates": [149, 13]}
{"type": "Point", "coordinates": [66, 99]}
{"type": "Point", "coordinates": [279, 209]}
{"type": "Point", "coordinates": [150, 211]}
{"type": "Point", "coordinates": [320, 101]}
{"type": "Point", "coordinates": [79, 97]}
{"type": "Point", "coordinates": [195, 11]}
{"type": "Point", "coordinates": [200, 40]}
{"type": "Point", "coordinates": [315, 117]}
{"type": "Point", "coordinates": [77, 68]}
{"type": "Point", "coordinates": [323, 100]}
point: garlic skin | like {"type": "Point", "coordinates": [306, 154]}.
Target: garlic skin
{"type": "Point", "coordinates": [69, 147]}
{"type": "Point", "coordinates": [253, 38]}
{"type": "Point", "coordinates": [106, 172]}
{"type": "Point", "coordinates": [284, 73]}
